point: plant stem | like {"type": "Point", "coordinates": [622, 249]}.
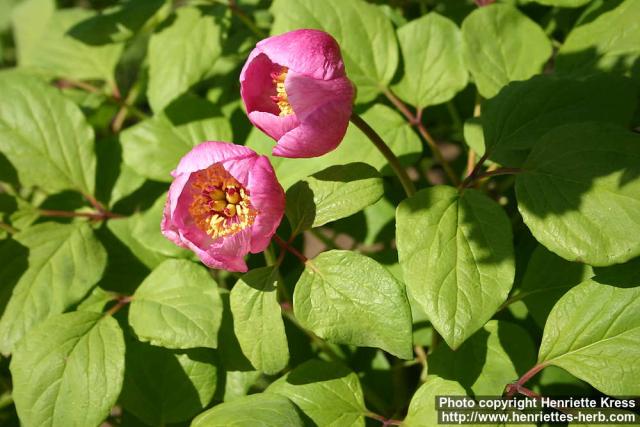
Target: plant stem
{"type": "Point", "coordinates": [233, 6]}
{"type": "Point", "coordinates": [386, 152]}
{"type": "Point", "coordinates": [385, 422]}
{"type": "Point", "coordinates": [416, 120]}
{"type": "Point", "coordinates": [287, 246]}
{"type": "Point", "coordinates": [122, 301]}
{"type": "Point", "coordinates": [517, 386]}
{"type": "Point", "coordinates": [471, 179]}
{"type": "Point", "coordinates": [9, 229]}
{"type": "Point", "coordinates": [71, 214]}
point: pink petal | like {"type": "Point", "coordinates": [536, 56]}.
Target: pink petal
{"type": "Point", "coordinates": [273, 125]}
{"type": "Point", "coordinates": [306, 94]}
{"type": "Point", "coordinates": [320, 132]}
{"type": "Point", "coordinates": [267, 196]}
{"type": "Point", "coordinates": [256, 83]}
{"type": "Point", "coordinates": [310, 52]}
{"type": "Point", "coordinates": [207, 153]}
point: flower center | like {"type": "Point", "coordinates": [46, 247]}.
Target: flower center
{"type": "Point", "coordinates": [281, 98]}
{"type": "Point", "coordinates": [221, 206]}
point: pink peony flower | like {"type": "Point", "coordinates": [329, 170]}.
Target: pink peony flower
{"type": "Point", "coordinates": [224, 202]}
{"type": "Point", "coordinates": [295, 90]}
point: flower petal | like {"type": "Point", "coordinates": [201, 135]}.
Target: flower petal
{"type": "Point", "coordinates": [310, 52]}
{"type": "Point", "coordinates": [273, 125]}
{"type": "Point", "coordinates": [207, 153]}
{"type": "Point", "coordinates": [256, 83]}
{"type": "Point", "coordinates": [320, 132]}
{"type": "Point", "coordinates": [306, 94]}
{"type": "Point", "coordinates": [267, 196]}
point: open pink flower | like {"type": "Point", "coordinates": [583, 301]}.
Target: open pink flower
{"type": "Point", "coordinates": [224, 202]}
{"type": "Point", "coordinates": [295, 90]}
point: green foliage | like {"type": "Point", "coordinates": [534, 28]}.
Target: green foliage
{"type": "Point", "coordinates": [345, 297]}
{"type": "Point", "coordinates": [328, 393]}
{"type": "Point", "coordinates": [183, 52]}
{"type": "Point", "coordinates": [68, 371]}
{"type": "Point", "coordinates": [258, 322]}
{"type": "Point", "coordinates": [516, 122]}
{"type": "Point", "coordinates": [453, 248]}
{"type": "Point", "coordinates": [562, 205]}
{"type": "Point", "coordinates": [64, 262]}
{"type": "Point", "coordinates": [177, 306]}
{"type": "Point", "coordinates": [334, 193]}
{"type": "Point", "coordinates": [431, 49]}
{"type": "Point", "coordinates": [502, 45]}
{"type": "Point", "coordinates": [45, 136]}
{"type": "Point", "coordinates": [266, 409]}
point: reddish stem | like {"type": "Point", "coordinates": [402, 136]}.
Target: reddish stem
{"type": "Point", "coordinates": [416, 120]}
{"type": "Point", "coordinates": [288, 247]}
{"type": "Point", "coordinates": [385, 421]}
{"type": "Point", "coordinates": [71, 214]}
{"type": "Point", "coordinates": [471, 179]}
{"type": "Point", "coordinates": [95, 203]}
{"type": "Point", "coordinates": [122, 301]}
{"type": "Point", "coordinates": [517, 387]}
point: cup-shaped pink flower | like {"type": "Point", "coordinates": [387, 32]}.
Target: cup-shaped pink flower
{"type": "Point", "coordinates": [295, 90]}
{"type": "Point", "coordinates": [223, 203]}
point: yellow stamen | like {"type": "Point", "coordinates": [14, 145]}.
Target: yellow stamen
{"type": "Point", "coordinates": [221, 206]}
{"type": "Point", "coordinates": [281, 98]}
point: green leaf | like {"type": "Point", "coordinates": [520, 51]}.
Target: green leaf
{"type": "Point", "coordinates": [327, 392]}
{"type": "Point", "coordinates": [147, 232]}
{"type": "Point", "coordinates": [473, 135]}
{"type": "Point", "coordinates": [434, 69]}
{"type": "Point", "coordinates": [364, 32]}
{"type": "Point", "coordinates": [345, 298]}
{"type": "Point", "coordinates": [55, 52]}
{"type": "Point", "coordinates": [502, 45]}
{"type": "Point", "coordinates": [14, 263]}
{"type": "Point", "coordinates": [579, 193]}
{"type": "Point", "coordinates": [117, 24]}
{"type": "Point", "coordinates": [611, 42]}
{"type": "Point", "coordinates": [154, 147]}
{"type": "Point", "coordinates": [165, 386]}
{"type": "Point", "coordinates": [263, 409]}
{"type": "Point", "coordinates": [29, 21]}
{"type": "Point", "coordinates": [45, 136]}
{"type": "Point", "coordinates": [562, 3]}
{"type": "Point", "coordinates": [422, 409]}
{"type": "Point", "coordinates": [123, 229]}
{"type": "Point", "coordinates": [546, 279]}
{"type": "Point", "coordinates": [336, 192]}
{"type": "Point", "coordinates": [594, 333]}
{"type": "Point", "coordinates": [512, 127]}
{"type": "Point", "coordinates": [355, 147]}
{"type": "Point", "coordinates": [496, 355]}
{"type": "Point", "coordinates": [258, 321]}
{"type": "Point", "coordinates": [65, 261]}
{"type": "Point", "coordinates": [68, 371]}
{"type": "Point", "coordinates": [456, 253]}
{"type": "Point", "coordinates": [177, 306]}
{"type": "Point", "coordinates": [182, 53]}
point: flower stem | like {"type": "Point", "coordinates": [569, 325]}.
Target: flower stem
{"type": "Point", "coordinates": [122, 301]}
{"type": "Point", "coordinates": [9, 229]}
{"type": "Point", "coordinates": [472, 178]}
{"type": "Point", "coordinates": [517, 386]}
{"type": "Point", "coordinates": [233, 6]}
{"type": "Point", "coordinates": [416, 120]}
{"type": "Point", "coordinates": [385, 422]}
{"type": "Point", "coordinates": [288, 247]}
{"type": "Point", "coordinates": [71, 214]}
{"type": "Point", "coordinates": [386, 152]}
